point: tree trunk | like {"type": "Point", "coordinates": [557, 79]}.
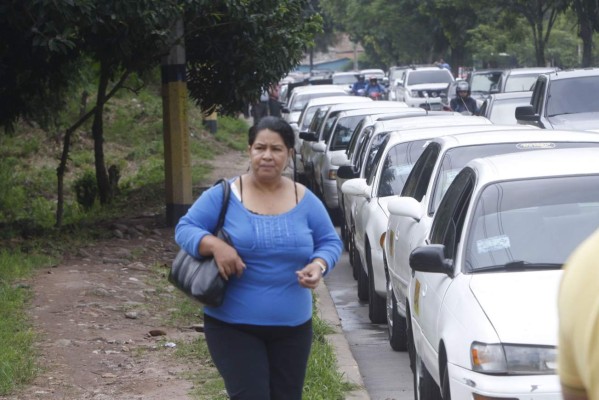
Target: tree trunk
{"type": "Point", "coordinates": [98, 135]}
{"type": "Point", "coordinates": [586, 35]}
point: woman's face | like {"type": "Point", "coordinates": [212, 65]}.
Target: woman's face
{"type": "Point", "coordinates": [268, 155]}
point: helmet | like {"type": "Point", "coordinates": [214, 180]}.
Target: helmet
{"type": "Point", "coordinates": [360, 76]}
{"type": "Point", "coordinates": [462, 86]}
{"type": "Point", "coordinates": [372, 78]}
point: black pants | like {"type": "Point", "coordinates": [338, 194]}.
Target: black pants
{"type": "Point", "coordinates": [260, 362]}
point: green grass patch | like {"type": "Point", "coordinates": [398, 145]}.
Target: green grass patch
{"type": "Point", "coordinates": [17, 339]}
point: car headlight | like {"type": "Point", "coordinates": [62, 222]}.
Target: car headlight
{"type": "Point", "coordinates": [414, 93]}
{"type": "Point", "coordinates": [513, 359]}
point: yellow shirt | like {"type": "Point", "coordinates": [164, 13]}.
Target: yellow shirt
{"type": "Point", "coordinates": [578, 307]}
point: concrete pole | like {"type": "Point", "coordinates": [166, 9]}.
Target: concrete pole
{"type": "Point", "coordinates": [177, 156]}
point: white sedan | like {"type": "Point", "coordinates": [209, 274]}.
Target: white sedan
{"type": "Point", "coordinates": [484, 291]}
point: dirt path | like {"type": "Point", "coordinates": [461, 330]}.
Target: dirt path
{"type": "Point", "coordinates": [95, 312]}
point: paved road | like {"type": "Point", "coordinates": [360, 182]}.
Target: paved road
{"type": "Point", "coordinates": [386, 373]}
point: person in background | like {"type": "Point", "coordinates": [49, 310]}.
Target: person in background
{"type": "Point", "coordinates": [443, 64]}
{"type": "Point", "coordinates": [374, 89]}
{"type": "Point", "coordinates": [462, 102]}
{"type": "Point", "coordinates": [578, 312]}
{"type": "Point", "coordinates": [260, 107]}
{"type": "Point", "coordinates": [359, 85]}
{"type": "Point", "coordinates": [283, 244]}
{"type": "Point", "coordinates": [274, 106]}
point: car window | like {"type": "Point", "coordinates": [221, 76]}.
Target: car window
{"type": "Point", "coordinates": [449, 223]}
{"type": "Point", "coordinates": [343, 131]}
{"type": "Point", "coordinates": [572, 96]}
{"type": "Point", "coordinates": [368, 160]}
{"type": "Point", "coordinates": [308, 115]}
{"type": "Point", "coordinates": [344, 79]}
{"type": "Point", "coordinates": [455, 159]}
{"type": "Point", "coordinates": [531, 223]}
{"type": "Point", "coordinates": [356, 154]}
{"type": "Point", "coordinates": [520, 83]}
{"type": "Point", "coordinates": [317, 120]}
{"type": "Point", "coordinates": [482, 82]}
{"type": "Point", "coordinates": [419, 177]}
{"type": "Point", "coordinates": [376, 154]}
{"type": "Point", "coordinates": [397, 166]}
{"type": "Point", "coordinates": [329, 123]}
{"type": "Point", "coordinates": [354, 138]}
{"type": "Point", "coordinates": [419, 77]}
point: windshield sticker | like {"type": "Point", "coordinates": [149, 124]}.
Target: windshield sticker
{"type": "Point", "coordinates": [494, 243]}
{"type": "Point", "coordinates": [535, 146]}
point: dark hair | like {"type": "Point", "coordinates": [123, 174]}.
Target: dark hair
{"type": "Point", "coordinates": [275, 124]}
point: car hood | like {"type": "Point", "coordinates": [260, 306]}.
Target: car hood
{"type": "Point", "coordinates": [580, 121]}
{"type": "Point", "coordinates": [429, 86]}
{"type": "Point", "coordinates": [521, 306]}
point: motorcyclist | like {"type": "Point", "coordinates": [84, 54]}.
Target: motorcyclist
{"type": "Point", "coordinates": [374, 89]}
{"type": "Point", "coordinates": [462, 102]}
{"type": "Point", "coordinates": [359, 85]}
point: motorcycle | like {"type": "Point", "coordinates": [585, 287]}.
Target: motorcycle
{"type": "Point", "coordinates": [376, 96]}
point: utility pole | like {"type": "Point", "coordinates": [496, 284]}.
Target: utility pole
{"type": "Point", "coordinates": [177, 155]}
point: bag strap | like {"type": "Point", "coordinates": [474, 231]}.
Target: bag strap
{"type": "Point", "coordinates": [225, 204]}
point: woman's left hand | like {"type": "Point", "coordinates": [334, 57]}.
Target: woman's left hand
{"type": "Point", "coordinates": [309, 276]}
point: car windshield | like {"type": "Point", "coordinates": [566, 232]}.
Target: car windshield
{"type": "Point", "coordinates": [397, 166]}
{"type": "Point", "coordinates": [520, 83]}
{"type": "Point", "coordinates": [504, 111]}
{"type": "Point", "coordinates": [302, 99]}
{"type": "Point", "coordinates": [573, 95]}
{"type": "Point", "coordinates": [482, 82]}
{"type": "Point", "coordinates": [419, 77]}
{"type": "Point", "coordinates": [531, 224]}
{"type": "Point", "coordinates": [344, 79]}
{"type": "Point", "coordinates": [455, 159]}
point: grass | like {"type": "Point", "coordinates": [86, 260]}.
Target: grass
{"type": "Point", "coordinates": [133, 142]}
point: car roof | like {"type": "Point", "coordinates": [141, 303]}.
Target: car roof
{"type": "Point", "coordinates": [531, 70]}
{"type": "Point", "coordinates": [386, 110]}
{"type": "Point", "coordinates": [573, 73]}
{"type": "Point", "coordinates": [317, 88]}
{"type": "Point", "coordinates": [511, 95]}
{"type": "Point", "coordinates": [373, 104]}
{"type": "Point", "coordinates": [350, 73]}
{"type": "Point", "coordinates": [403, 135]}
{"type": "Point", "coordinates": [412, 70]}
{"type": "Point", "coordinates": [336, 99]}
{"type": "Point", "coordinates": [417, 121]}
{"type": "Point", "coordinates": [537, 164]}
{"type": "Point", "coordinates": [524, 135]}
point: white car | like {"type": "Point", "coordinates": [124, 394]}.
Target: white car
{"type": "Point", "coordinates": [484, 291]}
{"type": "Point", "coordinates": [424, 87]}
{"type": "Point", "coordinates": [314, 106]}
{"type": "Point", "coordinates": [410, 215]}
{"type": "Point", "coordinates": [300, 96]}
{"type": "Point", "coordinates": [324, 181]}
{"type": "Point", "coordinates": [322, 132]}
{"type": "Point", "coordinates": [363, 156]}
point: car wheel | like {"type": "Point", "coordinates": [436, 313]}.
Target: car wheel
{"type": "Point", "coordinates": [410, 340]}
{"type": "Point", "coordinates": [445, 384]}
{"type": "Point", "coordinates": [362, 278]}
{"type": "Point", "coordinates": [396, 325]}
{"type": "Point", "coordinates": [376, 303]}
{"type": "Point", "coordinates": [425, 387]}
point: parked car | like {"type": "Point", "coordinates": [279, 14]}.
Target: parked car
{"type": "Point", "coordinates": [321, 130]}
{"type": "Point", "coordinates": [394, 75]}
{"type": "Point", "coordinates": [313, 108]}
{"type": "Point", "coordinates": [564, 100]}
{"type": "Point", "coordinates": [410, 215]}
{"type": "Point", "coordinates": [519, 79]}
{"type": "Point", "coordinates": [324, 176]}
{"type": "Point", "coordinates": [424, 87]}
{"type": "Point", "coordinates": [300, 95]}
{"type": "Point", "coordinates": [484, 290]}
{"type": "Point", "coordinates": [500, 108]}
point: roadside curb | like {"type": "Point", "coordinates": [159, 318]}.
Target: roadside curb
{"type": "Point", "coordinates": [346, 362]}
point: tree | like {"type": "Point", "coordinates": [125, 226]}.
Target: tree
{"type": "Point", "coordinates": [587, 14]}
{"type": "Point", "coordinates": [236, 48]}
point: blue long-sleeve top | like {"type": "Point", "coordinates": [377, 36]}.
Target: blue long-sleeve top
{"type": "Point", "coordinates": [273, 248]}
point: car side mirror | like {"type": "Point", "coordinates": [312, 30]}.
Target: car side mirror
{"type": "Point", "coordinates": [308, 136]}
{"type": "Point", "coordinates": [431, 258]}
{"type": "Point", "coordinates": [526, 113]}
{"type": "Point", "coordinates": [285, 110]}
{"type": "Point", "coordinates": [346, 172]}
